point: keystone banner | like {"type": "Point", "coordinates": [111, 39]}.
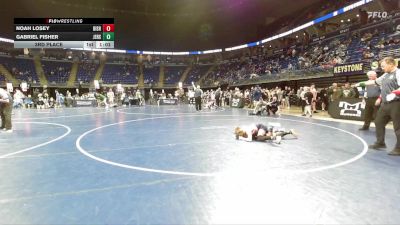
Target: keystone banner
{"type": "Point", "coordinates": [349, 69]}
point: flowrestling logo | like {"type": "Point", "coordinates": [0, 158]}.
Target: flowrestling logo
{"type": "Point", "coordinates": [380, 15]}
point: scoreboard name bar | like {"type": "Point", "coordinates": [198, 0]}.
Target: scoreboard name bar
{"type": "Point", "coordinates": [63, 21]}
{"type": "Point", "coordinates": [64, 44]}
{"type": "Point", "coordinates": [64, 28]}
{"type": "Point", "coordinates": [64, 36]}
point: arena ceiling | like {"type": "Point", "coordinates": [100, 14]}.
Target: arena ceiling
{"type": "Point", "coordinates": [165, 25]}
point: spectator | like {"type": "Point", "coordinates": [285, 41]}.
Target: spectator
{"type": "Point", "coordinates": [347, 91]}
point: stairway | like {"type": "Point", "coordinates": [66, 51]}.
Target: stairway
{"type": "Point", "coordinates": [72, 75]}
{"type": "Point", "coordinates": [99, 71]}
{"type": "Point", "coordinates": [39, 71]}
{"type": "Point", "coordinates": [9, 77]}
{"type": "Point", "coordinates": [185, 74]}
{"type": "Point", "coordinates": [141, 76]}
{"type": "Point", "coordinates": [206, 74]}
{"type": "Point", "coordinates": [161, 77]}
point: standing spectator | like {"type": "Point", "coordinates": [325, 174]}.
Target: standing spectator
{"type": "Point", "coordinates": [287, 97]}
{"type": "Point", "coordinates": [334, 92]}
{"type": "Point", "coordinates": [151, 97]}
{"type": "Point", "coordinates": [324, 99]}
{"type": "Point", "coordinates": [191, 96]}
{"type": "Point", "coordinates": [298, 93]}
{"type": "Point", "coordinates": [227, 96]}
{"type": "Point", "coordinates": [251, 105]}
{"type": "Point", "coordinates": [308, 97]}
{"type": "Point", "coordinates": [314, 92]}
{"type": "Point", "coordinates": [58, 99]}
{"type": "Point", "coordinates": [139, 97]}
{"type": "Point", "coordinates": [257, 95]}
{"type": "Point", "coordinates": [303, 99]}
{"type": "Point", "coordinates": [284, 97]}
{"type": "Point", "coordinates": [218, 97]}
{"type": "Point", "coordinates": [279, 94]}
{"type": "Point", "coordinates": [6, 103]}
{"type": "Point", "coordinates": [110, 97]}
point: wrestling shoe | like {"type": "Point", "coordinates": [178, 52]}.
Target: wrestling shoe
{"type": "Point", "coordinates": [377, 146]}
{"type": "Point", "coordinates": [395, 151]}
{"type": "Point", "coordinates": [278, 139]}
{"type": "Point", "coordinates": [364, 128]}
{"type": "Point", "coordinates": [292, 132]}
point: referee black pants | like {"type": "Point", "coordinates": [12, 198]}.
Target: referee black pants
{"type": "Point", "coordinates": [370, 111]}
{"type": "Point", "coordinates": [387, 112]}
{"type": "Point", "coordinates": [218, 101]}
{"type": "Point", "coordinates": [198, 103]}
{"type": "Point", "coordinates": [5, 114]}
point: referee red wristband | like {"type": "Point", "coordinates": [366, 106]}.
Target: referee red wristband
{"type": "Point", "coordinates": [396, 92]}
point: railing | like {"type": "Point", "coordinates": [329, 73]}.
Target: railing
{"type": "Point", "coordinates": [315, 72]}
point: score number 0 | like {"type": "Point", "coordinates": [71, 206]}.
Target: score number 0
{"type": "Point", "coordinates": [108, 27]}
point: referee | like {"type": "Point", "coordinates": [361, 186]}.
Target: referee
{"type": "Point", "coordinates": [371, 95]}
{"type": "Point", "coordinates": [390, 107]}
{"type": "Point", "coordinates": [5, 110]}
{"type": "Point", "coordinates": [198, 93]}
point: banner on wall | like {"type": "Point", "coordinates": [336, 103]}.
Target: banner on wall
{"type": "Point", "coordinates": [237, 102]}
{"type": "Point", "coordinates": [349, 109]}
{"type": "Point", "coordinates": [349, 69]}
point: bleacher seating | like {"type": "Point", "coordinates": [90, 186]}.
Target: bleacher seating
{"type": "Point", "coordinates": [196, 72]}
{"type": "Point", "coordinates": [120, 74]}
{"type": "Point", "coordinates": [2, 78]}
{"type": "Point", "coordinates": [151, 74]}
{"type": "Point", "coordinates": [366, 44]}
{"type": "Point", "coordinates": [172, 74]}
{"type": "Point", "coordinates": [56, 71]}
{"type": "Point", "coordinates": [22, 69]}
{"type": "Point", "coordinates": [86, 71]}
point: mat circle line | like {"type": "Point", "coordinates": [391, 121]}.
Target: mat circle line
{"type": "Point", "coordinates": [298, 171]}
{"type": "Point", "coordinates": [42, 144]}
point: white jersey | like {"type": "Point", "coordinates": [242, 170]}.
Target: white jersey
{"type": "Point", "coordinates": [110, 95]}
{"type": "Point", "coordinates": [191, 94]}
{"type": "Point", "coordinates": [212, 96]}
